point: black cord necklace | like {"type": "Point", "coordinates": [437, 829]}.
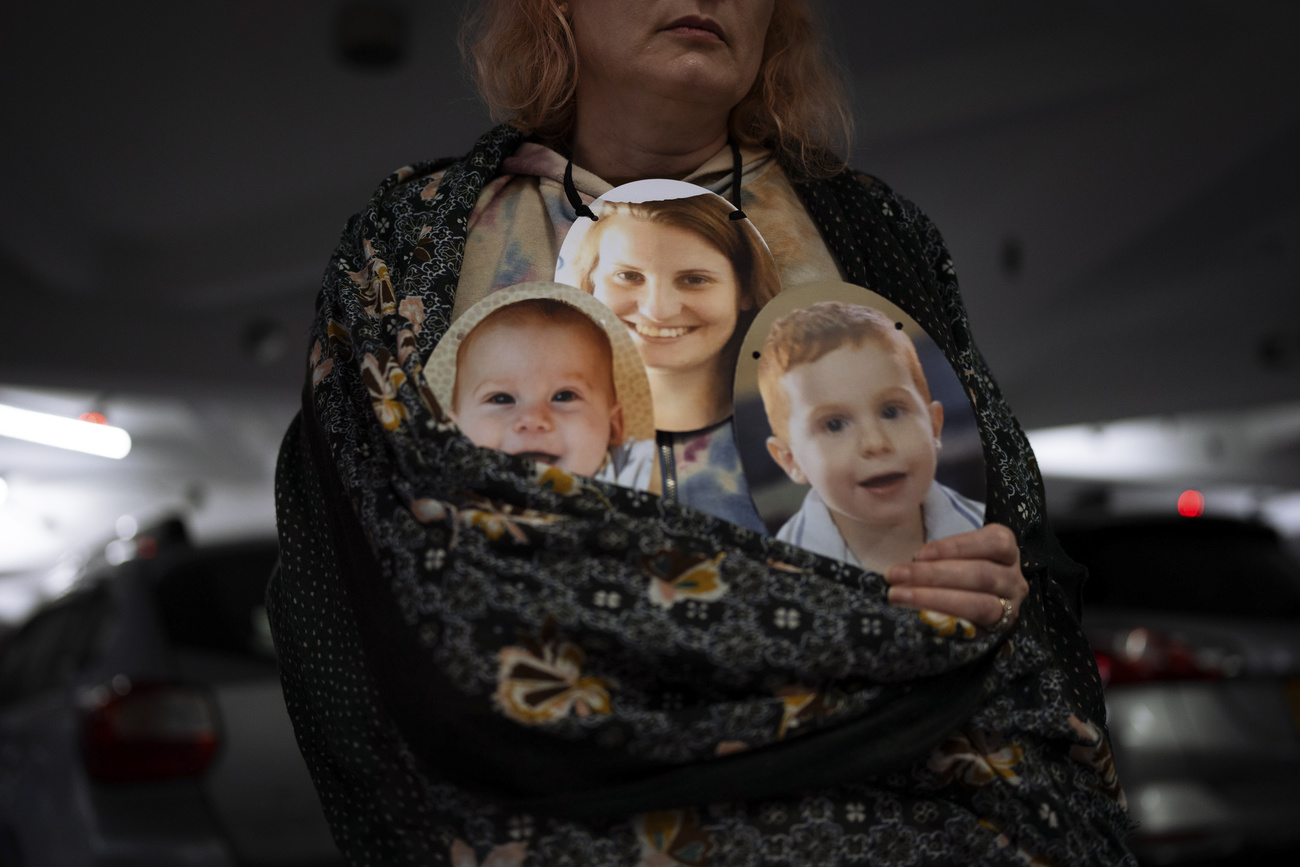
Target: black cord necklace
{"type": "Point", "coordinates": [582, 210]}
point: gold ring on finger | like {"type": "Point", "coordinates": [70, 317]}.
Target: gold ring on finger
{"type": "Point", "coordinates": [1005, 620]}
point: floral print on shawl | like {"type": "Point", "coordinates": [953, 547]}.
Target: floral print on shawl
{"type": "Point", "coordinates": [676, 576]}
{"type": "Point", "coordinates": [320, 367]}
{"type": "Point", "coordinates": [542, 680]}
{"type": "Point", "coordinates": [374, 286]}
{"type": "Point", "coordinates": [383, 377]}
{"type": "Point", "coordinates": [672, 837]}
{"type": "Point", "coordinates": [976, 759]}
{"type": "Point", "coordinates": [946, 624]}
{"type": "Point", "coordinates": [1095, 752]}
{"type": "Point", "coordinates": [802, 705]}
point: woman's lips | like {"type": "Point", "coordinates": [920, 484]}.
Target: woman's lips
{"type": "Point", "coordinates": [659, 332]}
{"type": "Point", "coordinates": [695, 26]}
{"type": "Point", "coordinates": [884, 483]}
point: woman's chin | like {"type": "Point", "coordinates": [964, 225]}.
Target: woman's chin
{"type": "Point", "coordinates": [673, 359]}
{"type": "Point", "coordinates": [677, 354]}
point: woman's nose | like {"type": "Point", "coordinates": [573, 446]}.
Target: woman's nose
{"type": "Point", "coordinates": [659, 302]}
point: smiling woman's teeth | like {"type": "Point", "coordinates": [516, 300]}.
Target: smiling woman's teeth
{"type": "Point", "coordinates": [652, 331]}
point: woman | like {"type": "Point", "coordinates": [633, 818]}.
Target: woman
{"type": "Point", "coordinates": [482, 668]}
{"type": "Point", "coordinates": [683, 277]}
{"type": "Point", "coordinates": [686, 279]}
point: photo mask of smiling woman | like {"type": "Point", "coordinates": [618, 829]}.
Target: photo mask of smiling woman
{"type": "Point", "coordinates": [684, 278]}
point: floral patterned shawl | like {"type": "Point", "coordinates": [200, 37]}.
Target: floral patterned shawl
{"type": "Point", "coordinates": [491, 662]}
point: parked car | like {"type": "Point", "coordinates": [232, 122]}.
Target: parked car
{"type": "Point", "coordinates": [1195, 624]}
{"type": "Point", "coordinates": [142, 720]}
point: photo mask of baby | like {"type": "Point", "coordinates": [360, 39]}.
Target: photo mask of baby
{"type": "Point", "coordinates": [856, 437]}
{"type": "Point", "coordinates": [546, 372]}
{"type": "Point", "coordinates": [684, 279]}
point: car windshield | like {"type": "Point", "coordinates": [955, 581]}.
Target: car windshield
{"type": "Point", "coordinates": [1201, 566]}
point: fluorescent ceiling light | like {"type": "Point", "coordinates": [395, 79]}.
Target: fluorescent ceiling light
{"type": "Point", "coordinates": [1130, 450]}
{"type": "Point", "coordinates": [64, 433]}
{"type": "Point", "coordinates": [1237, 446]}
{"type": "Point", "coordinates": [1283, 512]}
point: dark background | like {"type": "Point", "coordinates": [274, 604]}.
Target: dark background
{"type": "Point", "coordinates": [1117, 182]}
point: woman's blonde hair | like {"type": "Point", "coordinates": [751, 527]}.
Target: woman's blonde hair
{"type": "Point", "coordinates": [523, 59]}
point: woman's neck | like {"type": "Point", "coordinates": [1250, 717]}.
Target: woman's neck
{"type": "Point", "coordinates": [654, 138]}
{"type": "Point", "coordinates": [688, 400]}
{"type": "Point", "coordinates": [878, 548]}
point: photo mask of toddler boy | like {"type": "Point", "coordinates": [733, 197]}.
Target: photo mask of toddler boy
{"type": "Point", "coordinates": [846, 411]}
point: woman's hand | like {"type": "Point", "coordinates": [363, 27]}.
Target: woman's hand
{"type": "Point", "coordinates": [965, 576]}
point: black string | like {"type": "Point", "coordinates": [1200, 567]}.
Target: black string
{"type": "Point", "coordinates": [579, 209]}
{"type": "Point", "coordinates": [737, 214]}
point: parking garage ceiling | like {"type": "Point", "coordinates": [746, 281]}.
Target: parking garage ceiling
{"type": "Point", "coordinates": [1117, 181]}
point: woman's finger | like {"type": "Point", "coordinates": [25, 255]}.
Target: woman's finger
{"type": "Point", "coordinates": [967, 575]}
{"type": "Point", "coordinates": [993, 542]}
{"type": "Point", "coordinates": [982, 576]}
{"type": "Point", "coordinates": [982, 609]}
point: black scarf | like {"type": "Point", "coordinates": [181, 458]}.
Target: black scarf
{"type": "Point", "coordinates": [487, 626]}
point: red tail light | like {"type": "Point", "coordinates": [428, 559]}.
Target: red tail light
{"type": "Point", "coordinates": [1144, 655]}
{"type": "Point", "coordinates": [148, 731]}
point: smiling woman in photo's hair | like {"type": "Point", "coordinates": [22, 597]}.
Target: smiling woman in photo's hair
{"type": "Point", "coordinates": [494, 661]}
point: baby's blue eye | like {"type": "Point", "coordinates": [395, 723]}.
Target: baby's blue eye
{"type": "Point", "coordinates": [891, 412]}
{"type": "Point", "coordinates": [501, 399]}
{"type": "Point", "coordinates": [567, 395]}
{"type": "Point", "coordinates": [835, 425]}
